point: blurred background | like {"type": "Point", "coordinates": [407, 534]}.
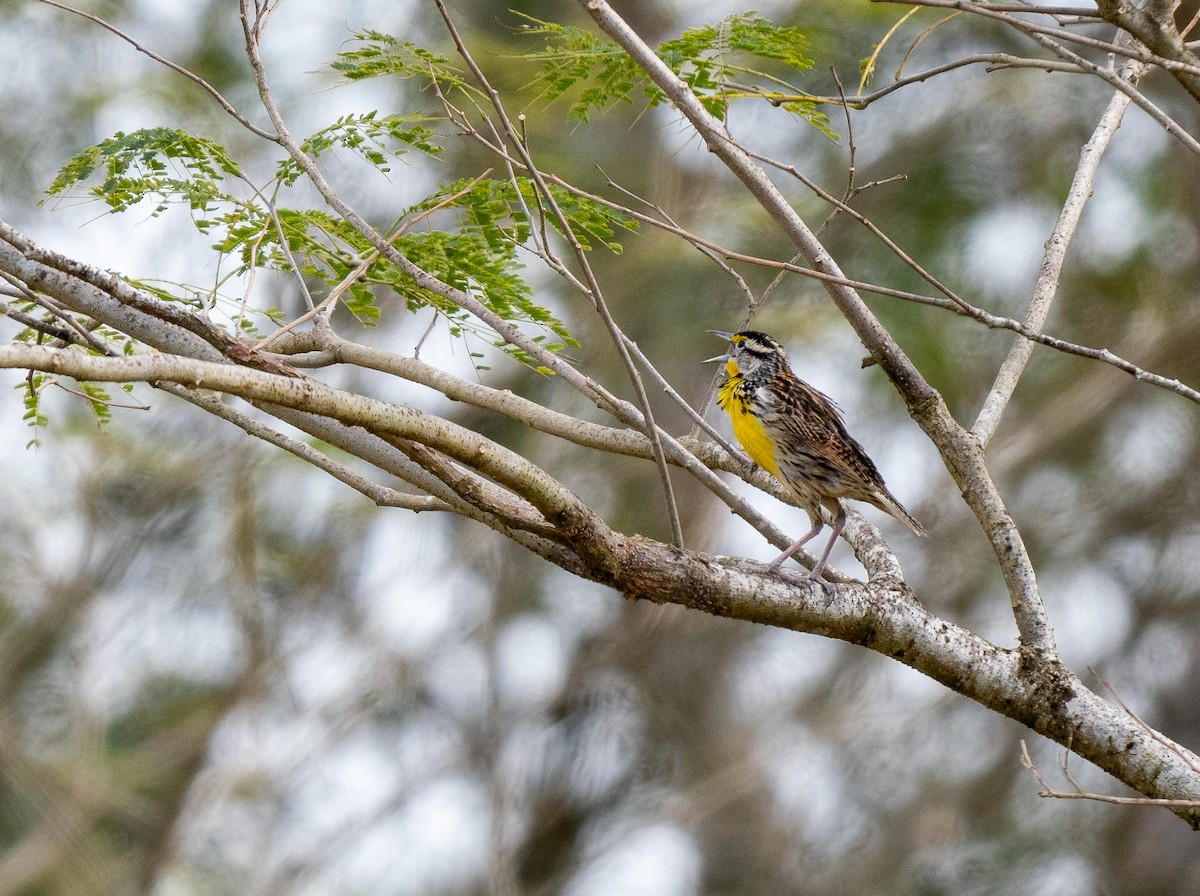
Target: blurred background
{"type": "Point", "coordinates": [222, 672]}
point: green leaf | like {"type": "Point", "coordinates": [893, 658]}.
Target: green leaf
{"type": "Point", "coordinates": [31, 388]}
{"type": "Point", "coordinates": [574, 56]}
{"type": "Point", "coordinates": [98, 401]}
{"type": "Point", "coordinates": [376, 138]}
{"type": "Point", "coordinates": [720, 63]}
{"type": "Point", "coordinates": [163, 164]}
{"type": "Point", "coordinates": [376, 54]}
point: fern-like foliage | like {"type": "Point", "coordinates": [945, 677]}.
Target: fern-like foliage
{"type": "Point", "coordinates": [720, 63]}
{"type": "Point", "coordinates": [478, 254]}
{"type": "Point", "coordinates": [473, 245]}
{"type": "Point", "coordinates": [35, 419]}
{"type": "Point", "coordinates": [468, 234]}
{"type": "Point", "coordinates": [164, 164]}
{"type": "Point", "coordinates": [97, 396]}
{"type": "Point", "coordinates": [374, 54]}
{"type": "Point", "coordinates": [377, 138]}
{"type": "Point", "coordinates": [99, 401]}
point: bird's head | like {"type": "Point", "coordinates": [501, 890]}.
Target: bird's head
{"type": "Point", "coordinates": [750, 351]}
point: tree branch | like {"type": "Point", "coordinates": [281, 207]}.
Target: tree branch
{"type": "Point", "coordinates": [1055, 254]}
{"type": "Point", "coordinates": [953, 302]}
{"type": "Point", "coordinates": [1153, 25]}
{"type": "Point", "coordinates": [381, 495]}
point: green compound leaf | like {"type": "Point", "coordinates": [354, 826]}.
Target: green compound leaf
{"type": "Point", "coordinates": [31, 388]}
{"type": "Point", "coordinates": [376, 54]}
{"type": "Point", "coordinates": [714, 60]}
{"type": "Point", "coordinates": [164, 164]}
{"type": "Point", "coordinates": [467, 234]}
{"type": "Point", "coordinates": [99, 400]}
{"type": "Point", "coordinates": [378, 139]}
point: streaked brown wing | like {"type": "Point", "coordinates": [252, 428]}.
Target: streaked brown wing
{"type": "Point", "coordinates": [809, 426]}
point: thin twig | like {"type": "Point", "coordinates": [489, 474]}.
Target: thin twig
{"type": "Point", "coordinates": [1186, 755]}
{"type": "Point", "coordinates": [851, 148]}
{"type": "Point", "coordinates": [993, 61]}
{"type": "Point", "coordinates": [175, 67]}
{"type": "Point", "coordinates": [106, 402]}
{"type": "Point", "coordinates": [425, 334]}
{"type": "Point", "coordinates": [1080, 794]}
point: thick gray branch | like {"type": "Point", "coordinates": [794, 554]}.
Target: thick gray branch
{"type": "Point", "coordinates": [1022, 684]}
{"type": "Point", "coordinates": [1019, 683]}
{"type": "Point", "coordinates": [1154, 26]}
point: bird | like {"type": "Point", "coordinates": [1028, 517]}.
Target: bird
{"type": "Point", "coordinates": [797, 435]}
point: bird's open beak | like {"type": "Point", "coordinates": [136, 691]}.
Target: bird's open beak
{"type": "Point", "coordinates": [724, 357]}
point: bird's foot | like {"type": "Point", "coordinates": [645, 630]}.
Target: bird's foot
{"type": "Point", "coordinates": [811, 576]}
{"type": "Point", "coordinates": [830, 591]}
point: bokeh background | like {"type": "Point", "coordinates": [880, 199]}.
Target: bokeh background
{"type": "Point", "coordinates": [222, 672]}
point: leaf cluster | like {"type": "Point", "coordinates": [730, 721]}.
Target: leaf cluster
{"type": "Point", "coordinates": [708, 58]}
{"type": "Point", "coordinates": [467, 234]}
{"type": "Point", "coordinates": [96, 395]}
{"type": "Point", "coordinates": [31, 398]}
{"type": "Point", "coordinates": [376, 54]}
{"type": "Point", "coordinates": [377, 138]}
{"type": "Point", "coordinates": [166, 163]}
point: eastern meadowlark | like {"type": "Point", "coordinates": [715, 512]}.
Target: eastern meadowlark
{"type": "Point", "coordinates": [797, 435]}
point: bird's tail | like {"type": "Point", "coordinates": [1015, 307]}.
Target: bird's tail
{"type": "Point", "coordinates": [887, 503]}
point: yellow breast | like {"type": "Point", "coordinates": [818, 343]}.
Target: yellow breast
{"type": "Point", "coordinates": [746, 428]}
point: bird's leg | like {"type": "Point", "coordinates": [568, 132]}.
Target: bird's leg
{"type": "Point", "coordinates": [815, 575]}
{"type": "Point", "coordinates": [812, 533]}
{"type": "Point", "coordinates": [839, 523]}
